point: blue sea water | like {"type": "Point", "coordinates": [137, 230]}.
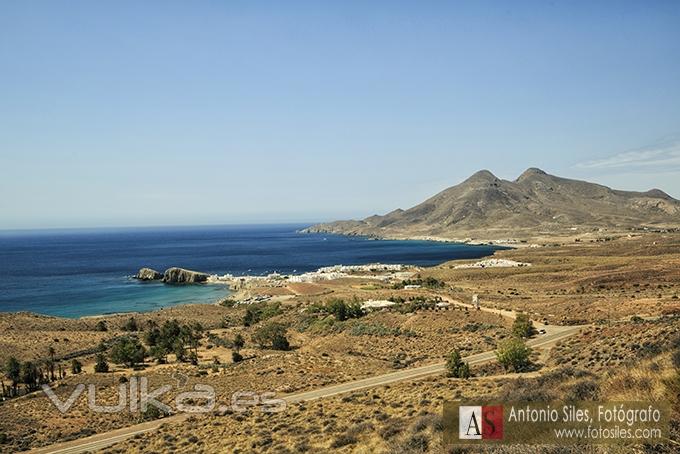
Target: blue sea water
{"type": "Point", "coordinates": [74, 273]}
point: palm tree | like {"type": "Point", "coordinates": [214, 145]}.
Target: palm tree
{"type": "Point", "coordinates": [13, 372]}
{"type": "Point", "coordinates": [51, 352]}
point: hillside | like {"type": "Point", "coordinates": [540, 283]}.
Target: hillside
{"type": "Point", "coordinates": [536, 203]}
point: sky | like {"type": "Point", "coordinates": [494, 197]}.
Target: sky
{"type": "Point", "coordinates": [129, 113]}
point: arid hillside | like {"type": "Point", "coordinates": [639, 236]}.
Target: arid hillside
{"type": "Point", "coordinates": [535, 204]}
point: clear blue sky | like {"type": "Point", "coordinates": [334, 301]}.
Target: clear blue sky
{"type": "Point", "coordinates": [160, 112]}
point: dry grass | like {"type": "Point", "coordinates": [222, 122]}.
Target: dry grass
{"type": "Point", "coordinates": [578, 282]}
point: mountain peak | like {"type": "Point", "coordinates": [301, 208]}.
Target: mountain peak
{"type": "Point", "coordinates": [534, 204]}
{"type": "Point", "coordinates": [658, 193]}
{"type": "Point", "coordinates": [483, 175]}
{"type": "Point", "coordinates": [530, 173]}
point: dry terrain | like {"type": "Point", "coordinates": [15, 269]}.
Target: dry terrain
{"type": "Point", "coordinates": [625, 290]}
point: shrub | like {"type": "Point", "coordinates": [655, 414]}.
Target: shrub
{"type": "Point", "coordinates": [391, 428]}
{"type": "Point", "coordinates": [101, 326]}
{"type": "Point", "coordinates": [101, 366]}
{"type": "Point", "coordinates": [127, 351]}
{"type": "Point", "coordinates": [76, 367]}
{"type": "Point", "coordinates": [153, 412]}
{"type": "Point", "coordinates": [258, 312]}
{"type": "Point", "coordinates": [417, 442]}
{"type": "Point", "coordinates": [522, 326]}
{"type": "Point", "coordinates": [130, 325]}
{"type": "Point", "coordinates": [280, 342]}
{"type": "Point", "coordinates": [378, 329]}
{"type": "Point", "coordinates": [238, 342]}
{"type": "Point", "coordinates": [584, 390]}
{"type": "Point", "coordinates": [455, 367]}
{"type": "Point", "coordinates": [152, 337]}
{"type": "Point", "coordinates": [272, 335]}
{"type": "Point", "coordinates": [158, 353]}
{"type": "Point", "coordinates": [342, 310]}
{"type": "Point", "coordinates": [676, 359]}
{"type": "Point", "coordinates": [513, 354]}
{"type": "Point", "coordinates": [343, 440]}
{"type": "Point", "coordinates": [228, 302]}
{"type": "Point", "coordinates": [429, 282]}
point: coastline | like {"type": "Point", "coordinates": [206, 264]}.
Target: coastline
{"type": "Point", "coordinates": [509, 242]}
{"type": "Point", "coordinates": [138, 303]}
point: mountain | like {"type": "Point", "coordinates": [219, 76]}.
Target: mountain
{"type": "Point", "coordinates": [485, 206]}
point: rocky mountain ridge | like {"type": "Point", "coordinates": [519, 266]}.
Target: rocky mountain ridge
{"type": "Point", "coordinates": [485, 206]}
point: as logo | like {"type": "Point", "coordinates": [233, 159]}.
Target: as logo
{"type": "Point", "coordinates": [480, 423]}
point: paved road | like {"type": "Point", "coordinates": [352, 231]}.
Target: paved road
{"type": "Point", "coordinates": [104, 440]}
{"type": "Point", "coordinates": [423, 371]}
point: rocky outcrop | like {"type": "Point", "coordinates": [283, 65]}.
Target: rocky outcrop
{"type": "Point", "coordinates": [148, 274]}
{"type": "Point", "coordinates": [181, 276]}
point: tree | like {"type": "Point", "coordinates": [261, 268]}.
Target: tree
{"type": "Point", "coordinates": [272, 335]}
{"type": "Point", "coordinates": [101, 366]}
{"type": "Point", "coordinates": [250, 317]}
{"type": "Point", "coordinates": [514, 354]}
{"type": "Point", "coordinates": [522, 326]}
{"type": "Point", "coordinates": [127, 351]}
{"type": "Point", "coordinates": [192, 335]}
{"type": "Point", "coordinates": [260, 311]}
{"type": "Point", "coordinates": [170, 331]}
{"type": "Point", "coordinates": [152, 336]}
{"type": "Point", "coordinates": [159, 354]}
{"type": "Point", "coordinates": [236, 357]}
{"type": "Point", "coordinates": [342, 310]}
{"type": "Point", "coordinates": [455, 367]}
{"type": "Point", "coordinates": [13, 371]}
{"type": "Point", "coordinates": [239, 342]}
{"type": "Point", "coordinates": [29, 375]}
{"type": "Point", "coordinates": [76, 367]}
{"type": "Point", "coordinates": [50, 362]}
{"type": "Point", "coordinates": [179, 350]}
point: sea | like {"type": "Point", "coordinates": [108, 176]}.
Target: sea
{"type": "Point", "coordinates": [79, 272]}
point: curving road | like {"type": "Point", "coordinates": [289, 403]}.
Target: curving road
{"type": "Point", "coordinates": [100, 441]}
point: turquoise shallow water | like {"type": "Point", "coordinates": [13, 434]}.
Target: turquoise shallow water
{"type": "Point", "coordinates": [74, 273]}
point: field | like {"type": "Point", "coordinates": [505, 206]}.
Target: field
{"type": "Point", "coordinates": [623, 291]}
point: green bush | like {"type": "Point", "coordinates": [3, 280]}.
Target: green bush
{"type": "Point", "coordinates": [128, 351]}
{"type": "Point", "coordinates": [228, 302]}
{"type": "Point", "coordinates": [101, 366]}
{"type": "Point", "coordinates": [258, 312]}
{"type": "Point", "coordinates": [280, 342]}
{"type": "Point", "coordinates": [513, 354]}
{"type": "Point", "coordinates": [522, 326]}
{"type": "Point", "coordinates": [76, 367]}
{"type": "Point", "coordinates": [429, 282]}
{"type": "Point", "coordinates": [272, 335]}
{"type": "Point", "coordinates": [239, 342]}
{"type": "Point", "coordinates": [342, 310]}
{"type": "Point", "coordinates": [455, 367]}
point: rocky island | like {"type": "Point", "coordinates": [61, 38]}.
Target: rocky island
{"type": "Point", "coordinates": [172, 275]}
